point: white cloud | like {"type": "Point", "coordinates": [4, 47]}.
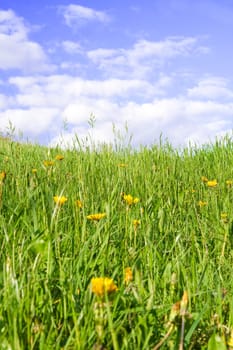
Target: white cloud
{"type": "Point", "coordinates": [17, 51]}
{"type": "Point", "coordinates": [43, 102]}
{"type": "Point", "coordinates": [170, 47]}
{"type": "Point", "coordinates": [145, 55]}
{"type": "Point", "coordinates": [105, 132]}
{"type": "Point", "coordinates": [10, 24]}
{"type": "Point", "coordinates": [71, 47]}
{"type": "Point", "coordinates": [211, 88]}
{"type": "Point", "coordinates": [33, 121]}
{"type": "Point", "coordinates": [5, 101]}
{"type": "Point", "coordinates": [63, 89]}
{"type": "Point", "coordinates": [68, 66]}
{"type": "Point", "coordinates": [78, 113]}
{"type": "Point", "coordinates": [132, 87]}
{"type": "Point", "coordinates": [77, 15]}
{"type": "Point", "coordinates": [181, 120]}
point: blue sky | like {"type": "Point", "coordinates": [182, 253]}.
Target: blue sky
{"type": "Point", "coordinates": [159, 67]}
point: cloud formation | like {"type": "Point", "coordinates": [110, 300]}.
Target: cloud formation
{"type": "Point", "coordinates": [213, 88]}
{"type": "Point", "coordinates": [17, 50]}
{"type": "Point", "coordinates": [145, 55]}
{"type": "Point", "coordinates": [51, 100]}
{"type": "Point", "coordinates": [147, 85]}
{"type": "Point", "coordinates": [71, 47]}
{"type": "Point", "coordinates": [79, 15]}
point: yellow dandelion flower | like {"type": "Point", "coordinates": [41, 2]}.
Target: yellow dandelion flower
{"type": "Point", "coordinates": [212, 183]}
{"type": "Point", "coordinates": [48, 163]}
{"type": "Point", "coordinates": [229, 183]}
{"type": "Point", "coordinates": [136, 223]}
{"type": "Point", "coordinates": [103, 285]}
{"type": "Point", "coordinates": [59, 157]}
{"type": "Point", "coordinates": [79, 204]}
{"type": "Point", "coordinates": [2, 175]}
{"type": "Point", "coordinates": [34, 170]}
{"type": "Point", "coordinates": [204, 179]}
{"type": "Point", "coordinates": [130, 199]}
{"type": "Point", "coordinates": [224, 218]}
{"type": "Point", "coordinates": [128, 275]}
{"type": "Point", "coordinates": [96, 217]}
{"type": "Point", "coordinates": [60, 200]}
{"type": "Point", "coordinates": [230, 340]}
{"type": "Point", "coordinates": [202, 204]}
{"type": "Point", "coordinates": [122, 165]}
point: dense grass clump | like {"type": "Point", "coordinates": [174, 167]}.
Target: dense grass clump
{"type": "Point", "coordinates": [116, 249]}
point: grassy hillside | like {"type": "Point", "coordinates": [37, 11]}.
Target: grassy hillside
{"type": "Point", "coordinates": [154, 271]}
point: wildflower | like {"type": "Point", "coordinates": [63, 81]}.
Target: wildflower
{"type": "Point", "coordinates": [60, 200]}
{"type": "Point", "coordinates": [122, 165]}
{"type": "Point", "coordinates": [128, 275]}
{"type": "Point", "coordinates": [230, 340]}
{"type": "Point", "coordinates": [96, 217]}
{"type": "Point", "coordinates": [204, 179]}
{"type": "Point", "coordinates": [223, 215]}
{"type": "Point", "coordinates": [129, 199]}
{"type": "Point", "coordinates": [59, 157]}
{"type": "Point", "coordinates": [202, 204]}
{"type": "Point", "coordinates": [224, 218]}
{"type": "Point", "coordinates": [34, 170]}
{"type": "Point", "coordinates": [102, 285]}
{"type": "Point", "coordinates": [48, 163]}
{"type": "Point", "coordinates": [229, 183]}
{"type": "Point", "coordinates": [136, 223]}
{"type": "Point", "coordinates": [79, 204]}
{"type": "Point", "coordinates": [2, 176]}
{"type": "Point", "coordinates": [212, 183]}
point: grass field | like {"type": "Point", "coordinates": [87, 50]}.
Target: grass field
{"type": "Point", "coordinates": [153, 272]}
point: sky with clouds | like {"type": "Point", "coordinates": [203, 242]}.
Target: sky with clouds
{"type": "Point", "coordinates": [153, 67]}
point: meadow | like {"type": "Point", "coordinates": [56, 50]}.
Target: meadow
{"type": "Point", "coordinates": [116, 248]}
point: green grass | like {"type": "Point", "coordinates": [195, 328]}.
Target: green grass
{"type": "Point", "coordinates": [50, 253]}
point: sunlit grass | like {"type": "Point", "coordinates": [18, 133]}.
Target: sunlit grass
{"type": "Point", "coordinates": [154, 225]}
